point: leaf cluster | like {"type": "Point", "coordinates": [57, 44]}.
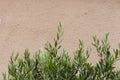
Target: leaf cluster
{"type": "Point", "coordinates": [55, 64]}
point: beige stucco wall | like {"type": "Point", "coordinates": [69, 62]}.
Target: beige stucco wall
{"type": "Point", "coordinates": [30, 23]}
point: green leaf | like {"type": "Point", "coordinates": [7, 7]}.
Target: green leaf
{"type": "Point", "coordinates": [4, 76]}
{"type": "Point", "coordinates": [116, 53]}
{"type": "Point", "coordinates": [60, 27]}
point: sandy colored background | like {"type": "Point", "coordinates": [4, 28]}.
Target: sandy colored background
{"type": "Point", "coordinates": [30, 23]}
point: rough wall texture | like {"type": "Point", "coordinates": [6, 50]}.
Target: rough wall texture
{"type": "Point", "coordinates": [30, 23]}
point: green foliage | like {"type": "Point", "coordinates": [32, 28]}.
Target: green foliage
{"type": "Point", "coordinates": [55, 64]}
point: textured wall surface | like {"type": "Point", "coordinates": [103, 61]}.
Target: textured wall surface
{"type": "Point", "coordinates": [30, 23]}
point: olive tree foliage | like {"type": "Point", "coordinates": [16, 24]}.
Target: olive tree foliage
{"type": "Point", "coordinates": [53, 63]}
